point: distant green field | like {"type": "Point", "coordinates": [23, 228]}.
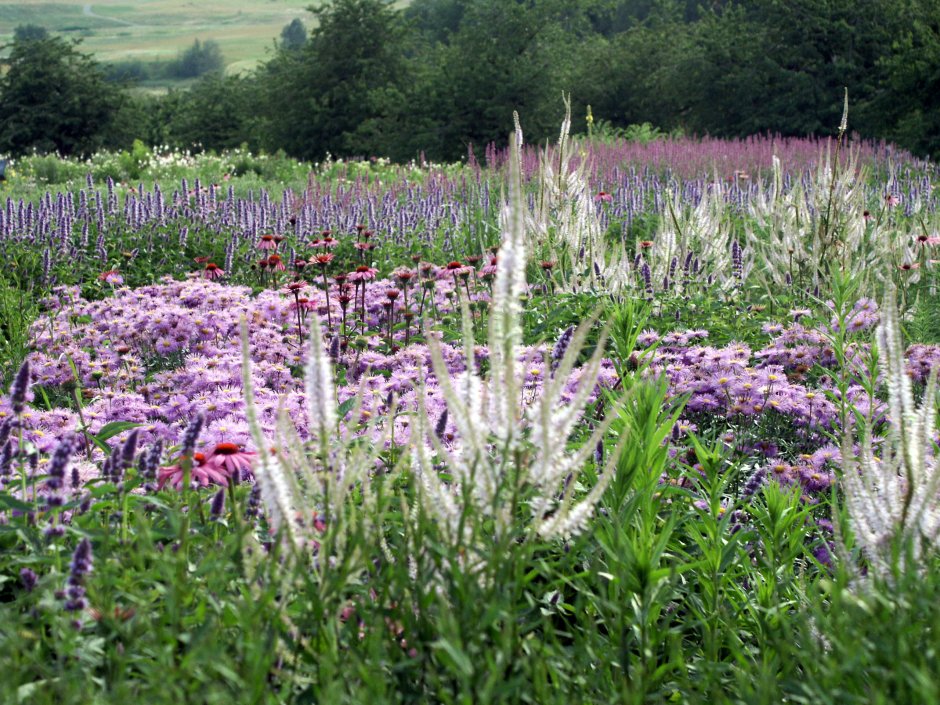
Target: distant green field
{"type": "Point", "coordinates": [158, 30]}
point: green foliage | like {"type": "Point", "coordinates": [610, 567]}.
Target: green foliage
{"type": "Point", "coordinates": [26, 32]}
{"type": "Point", "coordinates": [294, 35]}
{"type": "Point", "coordinates": [18, 308]}
{"type": "Point", "coordinates": [54, 99]}
{"type": "Point", "coordinates": [907, 102]}
{"type": "Point", "coordinates": [215, 114]}
{"type": "Point", "coordinates": [199, 59]}
{"type": "Point", "coordinates": [345, 89]}
{"type": "Point", "coordinates": [440, 75]}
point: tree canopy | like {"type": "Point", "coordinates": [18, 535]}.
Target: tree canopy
{"type": "Point", "coordinates": [439, 75]}
{"type": "Point", "coordinates": [53, 98]}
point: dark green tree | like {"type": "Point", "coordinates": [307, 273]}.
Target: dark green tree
{"type": "Point", "coordinates": [505, 57]}
{"type": "Point", "coordinates": [215, 113]}
{"type": "Point", "coordinates": [908, 96]}
{"type": "Point", "coordinates": [53, 98]}
{"type": "Point", "coordinates": [345, 92]}
{"type": "Point", "coordinates": [437, 20]}
{"type": "Point", "coordinates": [199, 59]}
{"type": "Point", "coordinates": [294, 35]}
{"type": "Point", "coordinates": [24, 32]}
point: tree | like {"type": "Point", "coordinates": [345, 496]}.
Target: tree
{"type": "Point", "coordinates": [505, 57]}
{"type": "Point", "coordinates": [436, 19]}
{"type": "Point", "coordinates": [54, 98]}
{"type": "Point", "coordinates": [215, 114]}
{"type": "Point", "coordinates": [25, 32]}
{"type": "Point", "coordinates": [344, 92]}
{"type": "Point", "coordinates": [199, 59]}
{"type": "Point", "coordinates": [908, 99]}
{"type": "Point", "coordinates": [294, 35]}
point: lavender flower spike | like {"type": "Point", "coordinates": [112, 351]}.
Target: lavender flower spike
{"type": "Point", "coordinates": [19, 389]}
{"type": "Point", "coordinates": [192, 435]}
{"type": "Point", "coordinates": [561, 346]}
{"type": "Point", "coordinates": [80, 567]}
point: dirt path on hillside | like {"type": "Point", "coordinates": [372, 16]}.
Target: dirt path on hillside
{"type": "Point", "coordinates": [87, 11]}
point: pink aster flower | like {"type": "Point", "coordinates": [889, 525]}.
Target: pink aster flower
{"type": "Point", "coordinates": [112, 276]}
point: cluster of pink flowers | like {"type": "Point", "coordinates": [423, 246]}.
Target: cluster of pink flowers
{"type": "Point", "coordinates": [224, 462]}
{"type": "Point", "coordinates": [161, 354]}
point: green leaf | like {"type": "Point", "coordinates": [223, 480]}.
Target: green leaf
{"type": "Point", "coordinates": [9, 502]}
{"type": "Point", "coordinates": [346, 407]}
{"type": "Point", "coordinates": [112, 429]}
{"type": "Point", "coordinates": [454, 657]}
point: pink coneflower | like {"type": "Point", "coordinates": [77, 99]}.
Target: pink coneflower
{"type": "Point", "coordinates": [361, 276]}
{"type": "Point", "coordinates": [603, 197]}
{"type": "Point", "coordinates": [232, 459]}
{"type": "Point", "coordinates": [112, 277]}
{"type": "Point", "coordinates": [489, 270]}
{"type": "Point", "coordinates": [304, 304]}
{"type": "Point", "coordinates": [213, 271]}
{"type": "Point", "coordinates": [404, 276]}
{"type": "Point", "coordinates": [329, 242]}
{"type": "Point", "coordinates": [455, 269]}
{"type": "Point", "coordinates": [314, 243]}
{"type": "Point", "coordinates": [362, 273]}
{"type": "Point", "coordinates": [267, 243]}
{"type": "Point", "coordinates": [323, 260]}
{"type": "Point", "coordinates": [866, 216]}
{"type": "Point", "coordinates": [645, 244]}
{"type": "Point", "coordinates": [891, 200]}
{"type": "Point", "coordinates": [275, 263]}
{"type": "Point", "coordinates": [295, 288]}
{"type": "Point", "coordinates": [364, 246]}
{"type": "Point", "coordinates": [202, 473]}
{"type": "Point", "coordinates": [907, 266]}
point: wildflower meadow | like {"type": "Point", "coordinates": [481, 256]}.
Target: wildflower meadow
{"type": "Point", "coordinates": [593, 421]}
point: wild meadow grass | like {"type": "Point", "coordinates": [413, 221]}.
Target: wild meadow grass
{"type": "Point", "coordinates": [482, 438]}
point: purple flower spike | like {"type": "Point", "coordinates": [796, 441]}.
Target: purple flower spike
{"type": "Point", "coordinates": [19, 389]}
{"type": "Point", "coordinates": [29, 579]}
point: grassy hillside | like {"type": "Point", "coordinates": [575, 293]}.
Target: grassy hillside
{"type": "Point", "coordinates": [157, 30]}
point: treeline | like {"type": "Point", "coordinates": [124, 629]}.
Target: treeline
{"type": "Point", "coordinates": [443, 74]}
{"type": "Point", "coordinates": [201, 58]}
